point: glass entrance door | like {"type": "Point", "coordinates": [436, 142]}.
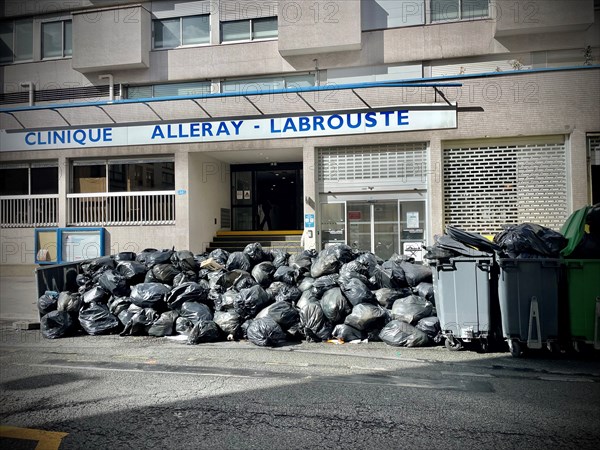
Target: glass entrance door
{"type": "Point", "coordinates": [373, 226]}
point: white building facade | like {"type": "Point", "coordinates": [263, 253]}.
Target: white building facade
{"type": "Point", "coordinates": [370, 122]}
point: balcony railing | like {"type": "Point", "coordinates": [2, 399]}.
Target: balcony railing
{"type": "Point", "coordinates": [23, 211]}
{"type": "Point", "coordinates": [121, 208]}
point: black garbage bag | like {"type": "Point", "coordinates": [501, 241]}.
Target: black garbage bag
{"type": "Point", "coordinates": [225, 301]}
{"type": "Point", "coordinates": [283, 313]}
{"type": "Point", "coordinates": [279, 257]}
{"type": "Point", "coordinates": [250, 301]}
{"type": "Point", "coordinates": [185, 277]}
{"type": "Point", "coordinates": [158, 257]}
{"type": "Point", "coordinates": [366, 317]}
{"type": "Point", "coordinates": [370, 261]}
{"type": "Point", "coordinates": [354, 270]}
{"type": "Point", "coordinates": [47, 302]}
{"type": "Point", "coordinates": [244, 328]}
{"type": "Point", "coordinates": [194, 292]}
{"type": "Point", "coordinates": [307, 297]}
{"type": "Point", "coordinates": [56, 324]}
{"type": "Point", "coordinates": [393, 275]}
{"type": "Point", "coordinates": [165, 273]}
{"type": "Point", "coordinates": [530, 239]}
{"type": "Point", "coordinates": [133, 271]}
{"type": "Point", "coordinates": [113, 282]}
{"type": "Point", "coordinates": [330, 259]}
{"type": "Point", "coordinates": [96, 295]}
{"type": "Point", "coordinates": [588, 247]}
{"type": "Point", "coordinates": [265, 332]}
{"type": "Point", "coordinates": [229, 322]}
{"type": "Point", "coordinates": [302, 262]}
{"type": "Point", "coordinates": [140, 322]}
{"type": "Point", "coordinates": [150, 278]}
{"type": "Point", "coordinates": [263, 273]}
{"type": "Point", "coordinates": [280, 291]}
{"type": "Point", "coordinates": [286, 275]}
{"type": "Point", "coordinates": [219, 256]}
{"type": "Point", "coordinates": [472, 239]}
{"type": "Point", "coordinates": [203, 331]}
{"type": "Point", "coordinates": [83, 280]}
{"type": "Point", "coordinates": [183, 326]}
{"type": "Point", "coordinates": [411, 309]}
{"type": "Point", "coordinates": [446, 247]}
{"type": "Point", "coordinates": [142, 256]}
{"type": "Point", "coordinates": [184, 260]}
{"type": "Point", "coordinates": [306, 283]}
{"type": "Point", "coordinates": [69, 302]}
{"type": "Point", "coordinates": [118, 304]}
{"type": "Point", "coordinates": [164, 325]}
{"type": "Point", "coordinates": [425, 290]}
{"type": "Point", "coordinates": [314, 324]}
{"type": "Point", "coordinates": [124, 256]}
{"type": "Point", "coordinates": [431, 327]}
{"type": "Point", "coordinates": [98, 265]}
{"type": "Point", "coordinates": [335, 306]}
{"type": "Point", "coordinates": [324, 283]}
{"type": "Point", "coordinates": [347, 333]}
{"type": "Point", "coordinates": [195, 311]}
{"type": "Point", "coordinates": [238, 260]}
{"type": "Point", "coordinates": [416, 273]}
{"type": "Point", "coordinates": [401, 334]}
{"type": "Point", "coordinates": [387, 296]}
{"type": "Point", "coordinates": [149, 295]}
{"type": "Point", "coordinates": [357, 292]}
{"type": "Point", "coordinates": [592, 219]}
{"type": "Point", "coordinates": [255, 253]}
{"type": "Point", "coordinates": [95, 318]}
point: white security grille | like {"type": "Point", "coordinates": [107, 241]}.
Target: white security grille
{"type": "Point", "coordinates": [383, 164]}
{"type": "Point", "coordinates": [594, 146]}
{"type": "Point", "coordinates": [487, 187]}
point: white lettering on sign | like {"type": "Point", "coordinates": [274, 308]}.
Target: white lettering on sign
{"type": "Point", "coordinates": [424, 117]}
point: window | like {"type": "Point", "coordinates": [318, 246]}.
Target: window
{"type": "Point", "coordinates": [169, 90]}
{"type": "Point", "coordinates": [268, 83]}
{"type": "Point", "coordinates": [249, 29]}
{"type": "Point", "coordinates": [57, 40]}
{"type": "Point", "coordinates": [180, 31]}
{"type": "Point", "coordinates": [16, 41]}
{"type": "Point", "coordinates": [41, 179]}
{"type": "Point", "coordinates": [458, 9]}
{"type": "Point", "coordinates": [378, 14]}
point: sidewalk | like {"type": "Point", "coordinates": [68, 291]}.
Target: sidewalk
{"type": "Point", "coordinates": [18, 298]}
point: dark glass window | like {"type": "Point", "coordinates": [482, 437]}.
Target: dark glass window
{"type": "Point", "coordinates": [44, 180]}
{"type": "Point", "coordinates": [14, 181]}
{"type": "Point", "coordinates": [133, 177]}
{"type": "Point", "coordinates": [88, 179]}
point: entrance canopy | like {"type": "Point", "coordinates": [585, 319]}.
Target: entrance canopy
{"type": "Point", "coordinates": [219, 106]}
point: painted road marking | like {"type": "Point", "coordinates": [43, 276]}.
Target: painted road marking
{"type": "Point", "coordinates": [46, 440]}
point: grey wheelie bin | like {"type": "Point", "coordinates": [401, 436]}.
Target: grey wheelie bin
{"type": "Point", "coordinates": [466, 300]}
{"type": "Point", "coordinates": [528, 291]}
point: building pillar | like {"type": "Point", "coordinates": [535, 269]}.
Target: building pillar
{"type": "Point", "coordinates": [435, 187]}
{"type": "Point", "coordinates": [310, 195]}
{"type": "Point", "coordinates": [578, 152]}
{"type": "Point", "coordinates": [181, 240]}
{"type": "Point", "coordinates": [63, 189]}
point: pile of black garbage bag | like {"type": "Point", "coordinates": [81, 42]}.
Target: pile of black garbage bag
{"type": "Point", "coordinates": [266, 296]}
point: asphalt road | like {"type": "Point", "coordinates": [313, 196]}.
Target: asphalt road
{"type": "Point", "coordinates": [119, 393]}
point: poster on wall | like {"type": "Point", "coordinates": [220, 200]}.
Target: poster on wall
{"type": "Point", "coordinates": [413, 249]}
{"type": "Point", "coordinates": [81, 244]}
{"type": "Point", "coordinates": [412, 219]}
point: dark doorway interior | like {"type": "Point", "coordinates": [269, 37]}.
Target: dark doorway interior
{"type": "Point", "coordinates": [273, 188]}
{"type": "Point", "coordinates": [595, 184]}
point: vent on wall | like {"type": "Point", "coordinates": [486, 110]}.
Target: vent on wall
{"type": "Point", "coordinates": [487, 187]}
{"type": "Point", "coordinates": [594, 147]}
{"type": "Point", "coordinates": [48, 95]}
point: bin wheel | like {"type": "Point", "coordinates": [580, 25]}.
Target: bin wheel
{"type": "Point", "coordinates": [453, 344]}
{"type": "Point", "coordinates": [515, 348]}
{"type": "Point", "coordinates": [552, 347]}
{"type": "Point", "coordinates": [484, 345]}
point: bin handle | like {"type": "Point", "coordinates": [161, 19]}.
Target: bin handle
{"type": "Point", "coordinates": [447, 267]}
{"type": "Point", "coordinates": [506, 263]}
{"type": "Point", "coordinates": [574, 264]}
{"type": "Point", "coordinates": [551, 263]}
{"type": "Point", "coordinates": [484, 266]}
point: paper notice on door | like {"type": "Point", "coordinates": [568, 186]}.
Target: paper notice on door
{"type": "Point", "coordinates": [239, 195]}
{"type": "Point", "coordinates": [412, 219]}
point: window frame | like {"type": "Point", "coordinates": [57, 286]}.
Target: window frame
{"type": "Point", "coordinates": [251, 29]}
{"type": "Point", "coordinates": [153, 88]}
{"type": "Point", "coordinates": [29, 167]}
{"type": "Point", "coordinates": [63, 23]}
{"type": "Point", "coordinates": [460, 18]}
{"type": "Point", "coordinates": [181, 44]}
{"type": "Point", "coordinates": [13, 24]}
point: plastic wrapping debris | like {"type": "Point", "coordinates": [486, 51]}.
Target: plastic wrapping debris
{"type": "Point", "coordinates": [279, 291]}
{"type": "Point", "coordinates": [286, 274]}
{"type": "Point", "coordinates": [357, 292]}
{"type": "Point", "coordinates": [140, 322]}
{"type": "Point", "coordinates": [425, 290]}
{"type": "Point", "coordinates": [47, 302]}
{"type": "Point", "coordinates": [165, 273]}
{"type": "Point", "coordinates": [194, 311]}
{"type": "Point", "coordinates": [69, 302]}
{"type": "Point", "coordinates": [530, 240]}
{"type": "Point", "coordinates": [314, 324]}
{"type": "Point", "coordinates": [366, 316]}
{"type": "Point", "coordinates": [265, 332]}
{"type": "Point", "coordinates": [56, 324]}
{"type": "Point", "coordinates": [324, 283]}
{"type": "Point", "coordinates": [149, 295]}
{"type": "Point", "coordinates": [203, 331]}
{"type": "Point", "coordinates": [250, 301]}
{"type": "Point", "coordinates": [118, 304]}
{"type": "Point", "coordinates": [113, 282]}
{"type": "Point", "coordinates": [96, 295]}
{"type": "Point", "coordinates": [229, 322]}
{"type": "Point", "coordinates": [387, 296]}
{"type": "Point", "coordinates": [283, 313]}
{"type": "Point", "coordinates": [335, 306]}
{"type": "Point", "coordinates": [133, 271]}
{"type": "Point", "coordinates": [195, 292]}
{"type": "Point", "coordinates": [401, 334]}
{"type": "Point", "coordinates": [431, 327]}
{"type": "Point", "coordinates": [238, 260]}
{"type": "Point", "coordinates": [306, 283]}
{"type": "Point", "coordinates": [347, 333]}
{"type": "Point", "coordinates": [164, 325]}
{"type": "Point", "coordinates": [97, 319]}
{"type": "Point", "coordinates": [330, 259]}
{"type": "Point", "coordinates": [255, 253]}
{"type": "Point", "coordinates": [279, 257]}
{"type": "Point", "coordinates": [416, 273]}
{"type": "Point", "coordinates": [263, 273]}
{"type": "Point", "coordinates": [411, 309]}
